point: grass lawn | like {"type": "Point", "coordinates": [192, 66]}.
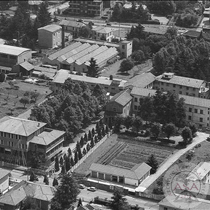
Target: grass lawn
{"type": "Point", "coordinates": [125, 153]}
{"type": "Point", "coordinates": [113, 69]}
{"type": "Point", "coordinates": [10, 98]}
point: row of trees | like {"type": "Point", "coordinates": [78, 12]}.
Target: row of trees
{"type": "Point", "coordinates": [184, 57]}
{"type": "Point", "coordinates": [72, 107]}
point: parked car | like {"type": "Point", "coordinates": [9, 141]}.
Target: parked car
{"type": "Point", "coordinates": [92, 189]}
{"type": "Point", "coordinates": [82, 186]}
{"type": "Point", "coordinates": [80, 20]}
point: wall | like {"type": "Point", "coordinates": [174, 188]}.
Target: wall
{"type": "Point", "coordinates": [4, 183]}
{"type": "Point", "coordinates": [45, 39]}
{"type": "Point", "coordinates": [131, 181]}
{"type": "Point", "coordinates": [25, 56]}
{"type": "Point", "coordinates": [114, 107]}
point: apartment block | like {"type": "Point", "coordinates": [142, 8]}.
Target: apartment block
{"type": "Point", "coordinates": [19, 137]}
{"type": "Point", "coordinates": [182, 85]}
{"type": "Point", "coordinates": [86, 8]}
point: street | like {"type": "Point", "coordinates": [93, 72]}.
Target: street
{"type": "Point", "coordinates": [87, 196]}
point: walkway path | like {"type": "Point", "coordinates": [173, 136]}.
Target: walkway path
{"type": "Point", "coordinates": [172, 159]}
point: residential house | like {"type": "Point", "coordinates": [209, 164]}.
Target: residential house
{"type": "Point", "coordinates": [4, 180]}
{"type": "Point", "coordinates": [72, 27]}
{"type": "Point", "coordinates": [182, 85]}
{"type": "Point", "coordinates": [133, 177]}
{"type": "Point", "coordinates": [86, 8]}
{"type": "Point", "coordinates": [12, 56]}
{"type": "Point", "coordinates": [26, 68]}
{"type": "Point", "coordinates": [119, 104]}
{"type": "Point", "coordinates": [13, 199]}
{"type": "Point", "coordinates": [50, 36]}
{"type": "Point", "coordinates": [19, 137]}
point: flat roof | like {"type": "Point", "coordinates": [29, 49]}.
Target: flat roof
{"type": "Point", "coordinates": [47, 137]}
{"type": "Point", "coordinates": [19, 126]}
{"type": "Point", "coordinates": [51, 28]}
{"type": "Point", "coordinates": [137, 172]}
{"type": "Point", "coordinates": [143, 91]}
{"type": "Point", "coordinates": [12, 50]}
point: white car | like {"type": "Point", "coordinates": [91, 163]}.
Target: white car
{"type": "Point", "coordinates": [92, 189]}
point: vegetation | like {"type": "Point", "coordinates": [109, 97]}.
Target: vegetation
{"type": "Point", "coordinates": [153, 163]}
{"type": "Point", "coordinates": [93, 68]}
{"type": "Point", "coordinates": [169, 129]}
{"type": "Point", "coordinates": [73, 107]}
{"type": "Point", "coordinates": [29, 204]}
{"type": "Point", "coordinates": [156, 129]}
{"type": "Point", "coordinates": [126, 65]}
{"type": "Point", "coordinates": [24, 101]}
{"type": "Point", "coordinates": [186, 135]}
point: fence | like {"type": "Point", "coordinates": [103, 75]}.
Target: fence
{"type": "Point", "coordinates": [151, 196]}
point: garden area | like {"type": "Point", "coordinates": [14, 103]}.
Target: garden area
{"type": "Point", "coordinates": [14, 99]}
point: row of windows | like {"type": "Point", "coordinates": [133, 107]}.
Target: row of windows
{"type": "Point", "coordinates": [10, 135]}
{"type": "Point", "coordinates": [195, 110]}
{"type": "Point", "coordinates": [11, 144]}
{"type": "Point", "coordinates": [6, 56]}
{"type": "Point", "coordinates": [180, 92]}
{"type": "Point", "coordinates": [174, 85]}
{"type": "Point", "coordinates": [200, 119]}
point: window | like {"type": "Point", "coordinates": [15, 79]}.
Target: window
{"type": "Point", "coordinates": [201, 111]}
{"type": "Point", "coordinates": [135, 107]}
{"type": "Point", "coordinates": [3, 56]}
{"type": "Point", "coordinates": [2, 142]}
{"type": "Point", "coordinates": [114, 109]}
{"type": "Point", "coordinates": [136, 99]}
{"type": "Point", "coordinates": [165, 208]}
{"type": "Point", "coordinates": [123, 46]}
{"type": "Point", "coordinates": [190, 109]}
{"type": "Point", "coordinates": [189, 117]}
{"type": "Point", "coordinates": [187, 93]}
{"type": "Point", "coordinates": [174, 85]}
{"type": "Point", "coordinates": [201, 119]}
{"type": "Point", "coordinates": [187, 88]}
{"type": "Point", "coordinates": [180, 87]}
{"type": "Point", "coordinates": [193, 89]}
{"type": "Point", "coordinates": [5, 135]}
{"type": "Point", "coordinates": [196, 111]}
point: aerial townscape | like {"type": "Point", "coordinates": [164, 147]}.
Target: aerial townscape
{"type": "Point", "coordinates": [105, 105]}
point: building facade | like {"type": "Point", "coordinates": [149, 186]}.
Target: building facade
{"type": "Point", "coordinates": [50, 36]}
{"type": "Point", "coordinates": [19, 137]}
{"type": "Point", "coordinates": [103, 33]}
{"type": "Point", "coordinates": [86, 8]}
{"type": "Point", "coordinates": [4, 180]}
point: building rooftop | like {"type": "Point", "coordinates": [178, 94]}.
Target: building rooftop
{"type": "Point", "coordinates": [23, 189]}
{"type": "Point", "coordinates": [195, 101]}
{"type": "Point", "coordinates": [47, 137]}
{"type": "Point", "coordinates": [143, 91]}
{"type": "Point", "coordinates": [122, 97]}
{"type": "Point", "coordinates": [104, 29]}
{"type": "Point", "coordinates": [27, 66]}
{"type": "Point", "coordinates": [12, 50]}
{"type": "Point", "coordinates": [51, 28]}
{"type": "Point", "coordinates": [178, 80]}
{"type": "Point", "coordinates": [155, 29]}
{"type": "Point", "coordinates": [192, 33]}
{"type": "Point", "coordinates": [71, 23]}
{"type": "Point", "coordinates": [49, 72]}
{"type": "Point", "coordinates": [18, 126]}
{"type": "Point", "coordinates": [3, 173]}
{"type": "Point", "coordinates": [137, 172]}
{"type": "Point", "coordinates": [141, 80]}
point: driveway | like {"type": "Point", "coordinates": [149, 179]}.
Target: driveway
{"type": "Point", "coordinates": [172, 159]}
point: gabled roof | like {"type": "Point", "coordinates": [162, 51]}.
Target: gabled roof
{"type": "Point", "coordinates": [51, 28]}
{"type": "Point", "coordinates": [19, 126]}
{"type": "Point", "coordinates": [3, 173]}
{"type": "Point", "coordinates": [27, 66]}
{"type": "Point", "coordinates": [23, 189]}
{"type": "Point", "coordinates": [195, 101]}
{"type": "Point", "coordinates": [45, 138]}
{"type": "Point", "coordinates": [12, 50]}
{"type": "Point", "coordinates": [137, 172]}
{"type": "Point", "coordinates": [141, 80]}
{"type": "Point", "coordinates": [143, 91]}
{"type": "Point", "coordinates": [122, 97]}
{"type": "Point", "coordinates": [71, 23]}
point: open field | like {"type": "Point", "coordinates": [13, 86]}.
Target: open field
{"type": "Point", "coordinates": [124, 153]}
{"type": "Point", "coordinates": [10, 97]}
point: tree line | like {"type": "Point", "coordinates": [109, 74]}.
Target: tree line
{"type": "Point", "coordinates": [72, 107]}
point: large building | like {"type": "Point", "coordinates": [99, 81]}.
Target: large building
{"type": "Point", "coordinates": [11, 57]}
{"type": "Point", "coordinates": [86, 8]}
{"type": "Point", "coordinates": [50, 36]}
{"type": "Point", "coordinates": [133, 177]}
{"type": "Point", "coordinates": [19, 137]}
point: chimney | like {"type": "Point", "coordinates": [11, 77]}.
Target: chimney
{"type": "Point", "coordinates": [63, 37]}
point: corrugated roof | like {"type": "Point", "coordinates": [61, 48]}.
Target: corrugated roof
{"type": "Point", "coordinates": [142, 91]}
{"type": "Point", "coordinates": [27, 66]}
{"type": "Point", "coordinates": [122, 97]}
{"type": "Point", "coordinates": [71, 23]}
{"type": "Point", "coordinates": [12, 50]}
{"type": "Point", "coordinates": [19, 126]}
{"type": "Point", "coordinates": [4, 172]}
{"type": "Point", "coordinates": [23, 189]}
{"type": "Point", "coordinates": [45, 138]}
{"type": "Point", "coordinates": [195, 101]}
{"type": "Point", "coordinates": [134, 173]}
{"type": "Point", "coordinates": [141, 80]}
{"type": "Point", "coordinates": [199, 172]}
{"type": "Point", "coordinates": [51, 28]}
{"type": "Point", "coordinates": [184, 81]}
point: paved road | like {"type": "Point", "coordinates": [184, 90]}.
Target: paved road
{"type": "Point", "coordinates": [151, 179]}
{"type": "Point", "coordinates": [147, 204]}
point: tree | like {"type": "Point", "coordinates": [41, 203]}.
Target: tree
{"type": "Point", "coordinates": [138, 56]}
{"type": "Point", "coordinates": [126, 65]}
{"type": "Point", "coordinates": [92, 143]}
{"type": "Point", "coordinates": [95, 139]}
{"type": "Point", "coordinates": [107, 129]}
{"type": "Point", "coordinates": [29, 204]}
{"type": "Point", "coordinates": [92, 68]}
{"type": "Point", "coordinates": [93, 131]}
{"type": "Point", "coordinates": [75, 157]}
{"type": "Point", "coordinates": [43, 16]}
{"type": "Point", "coordinates": [119, 201]}
{"type": "Point", "coordinates": [46, 180]}
{"type": "Point", "coordinates": [89, 135]}
{"type": "Point", "coordinates": [156, 129]}
{"type": "Point", "coordinates": [32, 177]}
{"type": "Point", "coordinates": [84, 152]}
{"type": "Point", "coordinates": [85, 32]}
{"type": "Point", "coordinates": [57, 168]}
{"type": "Point", "coordinates": [55, 182]}
{"type": "Point", "coordinates": [88, 147]}
{"type": "Point", "coordinates": [72, 161]}
{"type": "Point", "coordinates": [128, 121]}
{"type": "Point", "coordinates": [186, 135]}
{"type": "Point", "coordinates": [66, 193]}
{"type": "Point", "coordinates": [67, 164]}
{"type": "Point", "coordinates": [2, 77]}
{"type": "Point", "coordinates": [63, 169]}
{"type": "Point", "coordinates": [81, 142]}
{"type": "Point", "coordinates": [193, 129]}
{"type": "Point", "coordinates": [69, 152]}
{"type": "Point", "coordinates": [79, 202]}
{"type": "Point", "coordinates": [85, 138]}
{"type": "Point", "coordinates": [152, 162]}
{"type": "Point", "coordinates": [117, 11]}
{"type": "Point", "coordinates": [169, 129]}
{"type": "Point", "coordinates": [24, 101]}
{"type": "Point", "coordinates": [118, 121]}
{"type": "Point", "coordinates": [137, 123]}
{"type": "Point", "coordinates": [61, 160]}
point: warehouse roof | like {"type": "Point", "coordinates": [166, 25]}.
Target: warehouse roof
{"type": "Point", "coordinates": [51, 28]}
{"type": "Point", "coordinates": [12, 50]}
{"type": "Point", "coordinates": [19, 126]}
{"type": "Point", "coordinates": [142, 91]}
{"type": "Point", "coordinates": [137, 172]}
{"type": "Point", "coordinates": [47, 137]}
